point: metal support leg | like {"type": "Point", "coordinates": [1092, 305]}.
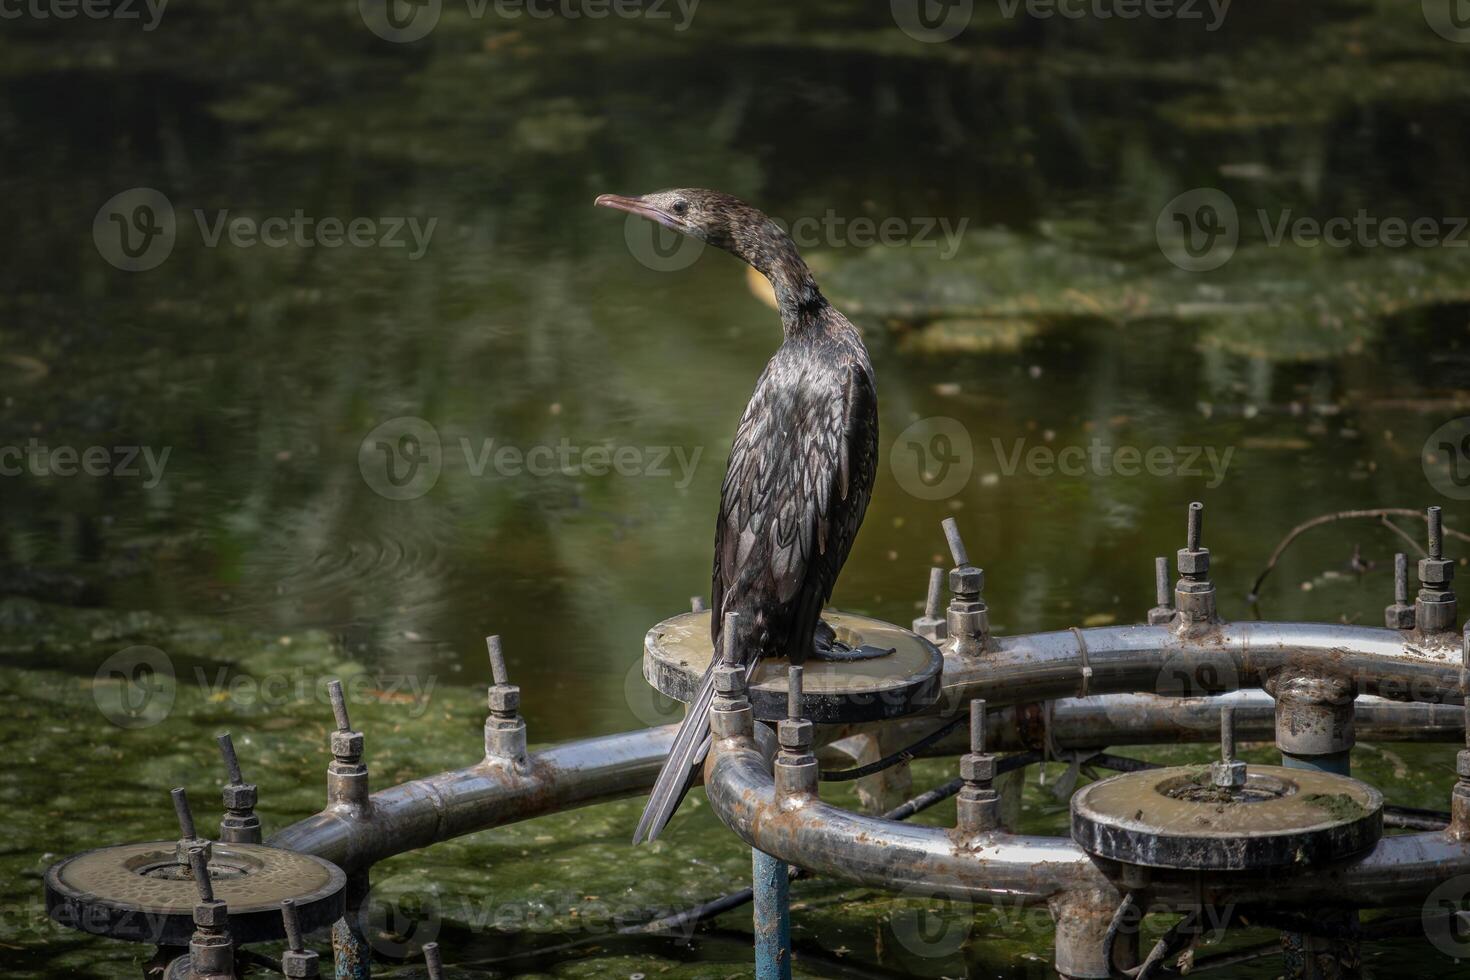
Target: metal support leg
{"type": "Point", "coordinates": [772, 917]}
{"type": "Point", "coordinates": [351, 953]}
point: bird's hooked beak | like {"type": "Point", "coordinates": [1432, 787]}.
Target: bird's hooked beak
{"type": "Point", "coordinates": [634, 205]}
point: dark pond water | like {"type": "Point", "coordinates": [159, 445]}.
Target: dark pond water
{"type": "Point", "coordinates": [204, 455]}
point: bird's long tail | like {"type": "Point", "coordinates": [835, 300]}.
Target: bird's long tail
{"type": "Point", "coordinates": [691, 745]}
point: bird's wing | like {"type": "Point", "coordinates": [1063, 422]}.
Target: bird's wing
{"type": "Point", "coordinates": [799, 480]}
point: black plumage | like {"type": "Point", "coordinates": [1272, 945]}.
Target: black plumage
{"type": "Point", "coordinates": [801, 468]}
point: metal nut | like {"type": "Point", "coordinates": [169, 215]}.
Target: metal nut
{"type": "Point", "coordinates": [347, 744]}
{"type": "Point", "coordinates": [1160, 616]}
{"type": "Point", "coordinates": [211, 915]}
{"type": "Point", "coordinates": [1462, 764]}
{"type": "Point", "coordinates": [977, 768]}
{"type": "Point", "coordinates": [1193, 562]}
{"type": "Point", "coordinates": [1436, 571]}
{"type": "Point", "coordinates": [729, 679]}
{"type": "Point", "coordinates": [967, 580]}
{"type": "Point", "coordinates": [239, 796]}
{"type": "Point", "coordinates": [1228, 775]}
{"type": "Point", "coordinates": [505, 698]}
{"type": "Point", "coordinates": [1399, 617]}
{"type": "Point", "coordinates": [302, 964]}
{"type": "Point", "coordinates": [795, 734]}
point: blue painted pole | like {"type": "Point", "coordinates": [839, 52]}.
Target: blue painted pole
{"type": "Point", "coordinates": [772, 887]}
{"type": "Point", "coordinates": [352, 957]}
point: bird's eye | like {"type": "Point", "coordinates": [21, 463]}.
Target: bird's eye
{"type": "Point", "coordinates": [680, 207]}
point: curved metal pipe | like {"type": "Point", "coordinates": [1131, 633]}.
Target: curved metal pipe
{"type": "Point", "coordinates": [1123, 659]}
{"type": "Point", "coordinates": [1010, 869]}
{"type": "Point", "coordinates": [1019, 669]}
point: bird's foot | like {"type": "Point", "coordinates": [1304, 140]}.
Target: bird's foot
{"type": "Point", "coordinates": [826, 646]}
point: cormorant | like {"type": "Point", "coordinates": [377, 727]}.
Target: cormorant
{"type": "Point", "coordinates": [800, 474]}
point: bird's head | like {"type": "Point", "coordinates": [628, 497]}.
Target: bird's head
{"type": "Point", "coordinates": [712, 217]}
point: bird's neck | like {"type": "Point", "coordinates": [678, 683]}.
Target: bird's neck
{"type": "Point", "coordinates": [772, 253]}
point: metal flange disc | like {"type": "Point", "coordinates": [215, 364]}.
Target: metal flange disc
{"type": "Point", "coordinates": [1175, 818]}
{"type": "Point", "coordinates": [140, 893]}
{"type": "Point", "coordinates": [677, 652]}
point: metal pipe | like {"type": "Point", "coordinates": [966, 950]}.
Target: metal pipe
{"type": "Point", "coordinates": [1223, 657]}
{"type": "Point", "coordinates": [1014, 869]}
{"type": "Point", "coordinates": [771, 885]}
{"type": "Point", "coordinates": [462, 801]}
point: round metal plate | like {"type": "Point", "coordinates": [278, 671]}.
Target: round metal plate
{"type": "Point", "coordinates": [136, 891]}
{"type": "Point", "coordinates": [1299, 817]}
{"type": "Point", "coordinates": [677, 652]}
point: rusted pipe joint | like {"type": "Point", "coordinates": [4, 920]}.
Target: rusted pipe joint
{"type": "Point", "coordinates": [968, 623]}
{"type": "Point", "coordinates": [347, 775]}
{"type": "Point", "coordinates": [736, 721]}
{"type": "Point", "coordinates": [1314, 715]}
{"type": "Point", "coordinates": [796, 776]}
{"type": "Point", "coordinates": [1459, 828]}
{"type": "Point", "coordinates": [505, 740]}
{"type": "Point", "coordinates": [1195, 601]}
